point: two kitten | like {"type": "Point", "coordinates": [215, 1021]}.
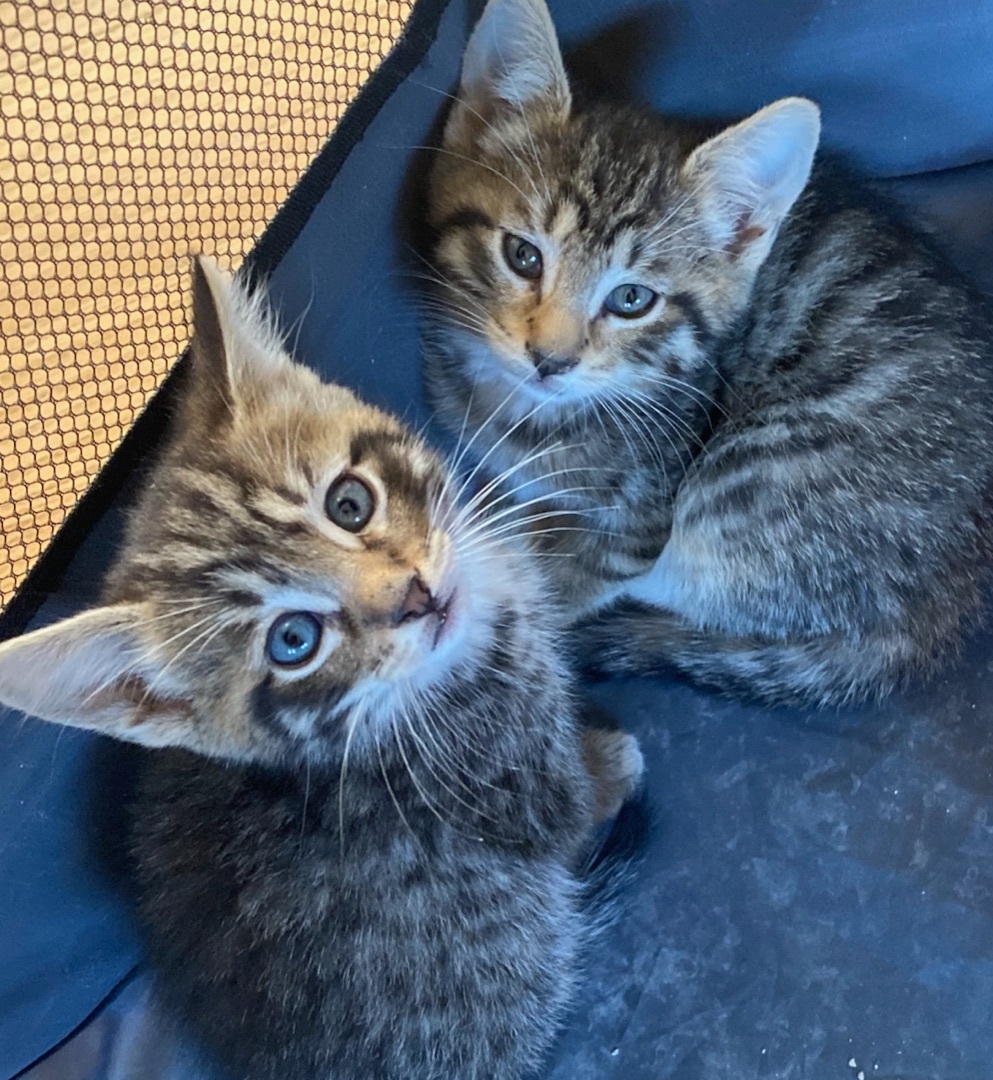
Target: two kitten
{"type": "Point", "coordinates": [751, 408]}
{"type": "Point", "coordinates": [750, 405]}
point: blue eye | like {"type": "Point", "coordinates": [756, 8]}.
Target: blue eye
{"type": "Point", "coordinates": [522, 256]}
{"type": "Point", "coordinates": [350, 503]}
{"type": "Point", "coordinates": [630, 301]}
{"type": "Point", "coordinates": [293, 638]}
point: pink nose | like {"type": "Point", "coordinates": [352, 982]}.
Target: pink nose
{"type": "Point", "coordinates": [417, 603]}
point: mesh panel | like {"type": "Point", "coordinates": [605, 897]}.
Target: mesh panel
{"type": "Point", "coordinates": [133, 134]}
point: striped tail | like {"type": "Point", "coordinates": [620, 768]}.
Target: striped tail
{"type": "Point", "coordinates": [633, 639]}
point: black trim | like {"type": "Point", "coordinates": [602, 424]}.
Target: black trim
{"type": "Point", "coordinates": [410, 49]}
{"type": "Point", "coordinates": [122, 471]}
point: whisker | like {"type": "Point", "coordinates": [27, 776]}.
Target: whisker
{"type": "Point", "coordinates": [493, 129]}
{"type": "Point", "coordinates": [204, 638]}
{"type": "Point", "coordinates": [529, 133]}
{"type": "Point", "coordinates": [506, 435]}
{"type": "Point", "coordinates": [621, 418]}
{"type": "Point", "coordinates": [456, 465]}
{"type": "Point", "coordinates": [481, 511]}
{"type": "Point", "coordinates": [492, 485]}
{"type": "Point", "coordinates": [306, 800]}
{"type": "Point", "coordinates": [641, 423]}
{"type": "Point", "coordinates": [465, 105]}
{"type": "Point", "coordinates": [429, 803]}
{"type": "Point", "coordinates": [485, 522]}
{"type": "Point", "coordinates": [464, 157]}
{"type": "Point", "coordinates": [670, 382]}
{"type": "Point", "coordinates": [437, 277]}
{"type": "Point", "coordinates": [396, 802]}
{"type": "Point", "coordinates": [199, 605]}
{"type": "Point", "coordinates": [351, 724]}
{"type": "Point", "coordinates": [509, 527]}
{"type": "Point", "coordinates": [427, 758]}
{"type": "Point", "coordinates": [665, 414]}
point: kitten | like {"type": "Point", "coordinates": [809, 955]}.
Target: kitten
{"type": "Point", "coordinates": [750, 404]}
{"type": "Point", "coordinates": [357, 853]}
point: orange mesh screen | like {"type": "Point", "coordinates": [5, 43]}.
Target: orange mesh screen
{"type": "Point", "coordinates": [131, 135]}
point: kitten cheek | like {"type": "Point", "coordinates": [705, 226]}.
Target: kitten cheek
{"type": "Point", "coordinates": [425, 649]}
{"type": "Point", "coordinates": [301, 723]}
{"type": "Point", "coordinates": [489, 362]}
{"type": "Point", "coordinates": [441, 546]}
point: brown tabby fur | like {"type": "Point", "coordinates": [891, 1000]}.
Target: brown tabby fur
{"type": "Point", "coordinates": [776, 479]}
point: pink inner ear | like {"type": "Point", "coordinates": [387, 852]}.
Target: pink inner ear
{"type": "Point", "coordinates": [745, 233]}
{"type": "Point", "coordinates": [145, 703]}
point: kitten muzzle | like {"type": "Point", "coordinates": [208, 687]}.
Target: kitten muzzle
{"type": "Point", "coordinates": [547, 364]}
{"type": "Point", "coordinates": [417, 602]}
{"type": "Point", "coordinates": [420, 602]}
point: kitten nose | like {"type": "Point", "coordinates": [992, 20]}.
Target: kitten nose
{"type": "Point", "coordinates": [417, 603]}
{"type": "Point", "coordinates": [552, 365]}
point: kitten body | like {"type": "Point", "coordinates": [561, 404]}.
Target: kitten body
{"type": "Point", "coordinates": [776, 475]}
{"type": "Point", "coordinates": [356, 844]}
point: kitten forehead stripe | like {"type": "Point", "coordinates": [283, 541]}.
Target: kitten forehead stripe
{"type": "Point", "coordinates": [466, 217]}
{"type": "Point", "coordinates": [374, 441]}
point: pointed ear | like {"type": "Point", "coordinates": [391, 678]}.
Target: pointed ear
{"type": "Point", "coordinates": [749, 176]}
{"type": "Point", "coordinates": [512, 60]}
{"type": "Point", "coordinates": [212, 394]}
{"type": "Point", "coordinates": [92, 671]}
{"type": "Point", "coordinates": [234, 345]}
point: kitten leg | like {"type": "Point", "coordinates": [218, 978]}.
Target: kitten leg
{"type": "Point", "coordinates": [808, 600]}
{"type": "Point", "coordinates": [616, 766]}
{"type": "Point", "coordinates": [633, 639]}
{"type": "Point", "coordinates": [691, 614]}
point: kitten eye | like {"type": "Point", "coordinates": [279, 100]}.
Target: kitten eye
{"type": "Point", "coordinates": [630, 301]}
{"type": "Point", "coordinates": [522, 256]}
{"type": "Point", "coordinates": [293, 639]}
{"type": "Point", "coordinates": [350, 503]}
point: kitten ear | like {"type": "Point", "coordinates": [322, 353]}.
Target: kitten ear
{"type": "Point", "coordinates": [513, 58]}
{"type": "Point", "coordinates": [749, 176]}
{"type": "Point", "coordinates": [234, 344]}
{"type": "Point", "coordinates": [92, 671]}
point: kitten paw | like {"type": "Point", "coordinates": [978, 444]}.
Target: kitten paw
{"type": "Point", "coordinates": [615, 763]}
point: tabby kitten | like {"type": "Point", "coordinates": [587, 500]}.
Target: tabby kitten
{"type": "Point", "coordinates": [767, 401]}
{"type": "Point", "coordinates": [358, 856]}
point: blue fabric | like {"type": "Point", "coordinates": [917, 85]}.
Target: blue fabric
{"type": "Point", "coordinates": [903, 83]}
{"type": "Point", "coordinates": [65, 939]}
{"type": "Point", "coordinates": [815, 888]}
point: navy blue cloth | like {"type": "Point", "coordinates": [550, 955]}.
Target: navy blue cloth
{"type": "Point", "coordinates": [814, 889]}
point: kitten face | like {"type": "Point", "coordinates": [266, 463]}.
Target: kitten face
{"type": "Point", "coordinates": [267, 588]}
{"type": "Point", "coordinates": [582, 253]}
{"type": "Point", "coordinates": [554, 289]}
{"type": "Point", "coordinates": [294, 578]}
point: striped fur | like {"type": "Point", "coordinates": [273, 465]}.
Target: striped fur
{"type": "Point", "coordinates": [778, 480]}
{"type": "Point", "coordinates": [366, 865]}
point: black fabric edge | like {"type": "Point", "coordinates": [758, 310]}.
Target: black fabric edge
{"type": "Point", "coordinates": [138, 445]}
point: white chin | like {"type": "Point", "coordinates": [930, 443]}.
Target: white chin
{"type": "Point", "coordinates": [528, 390]}
{"type": "Point", "coordinates": [553, 387]}
{"type": "Point", "coordinates": [435, 650]}
{"type": "Point", "coordinates": [546, 398]}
